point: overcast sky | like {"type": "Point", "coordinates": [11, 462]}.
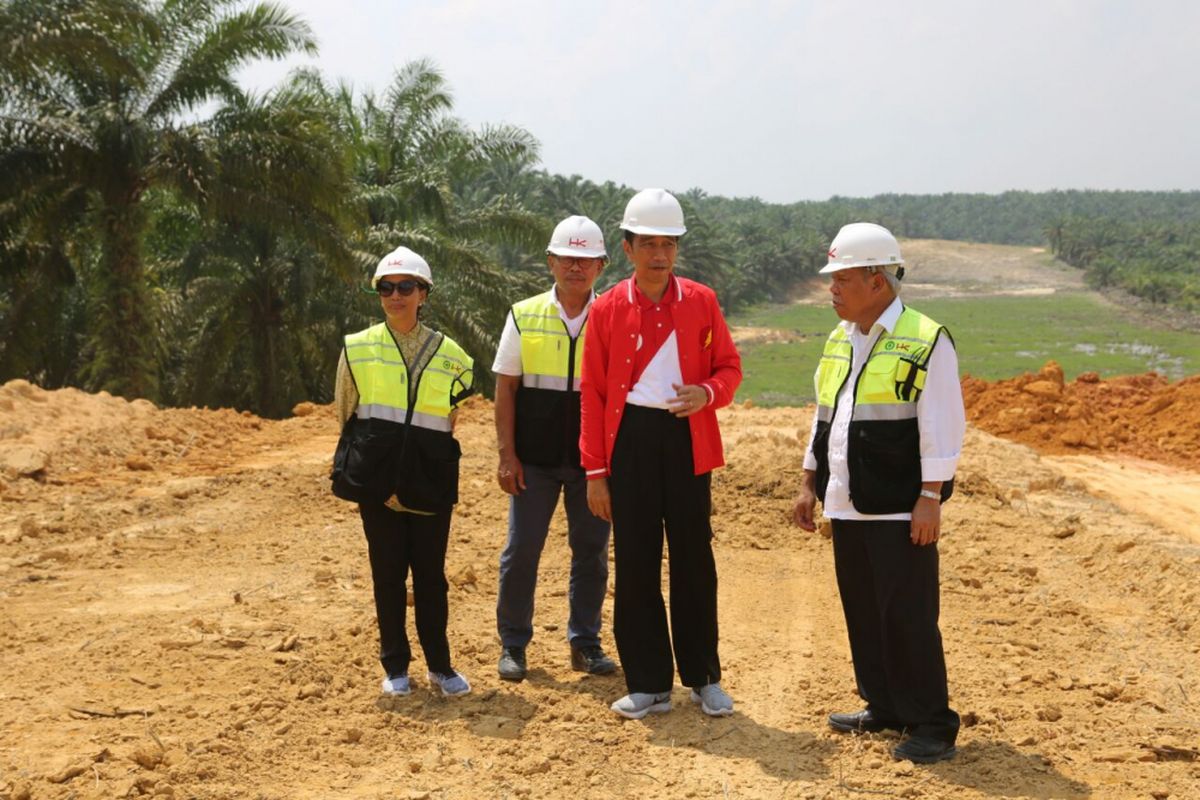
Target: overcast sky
{"type": "Point", "coordinates": [803, 100]}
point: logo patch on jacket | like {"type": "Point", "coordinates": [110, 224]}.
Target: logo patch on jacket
{"type": "Point", "coordinates": [706, 338]}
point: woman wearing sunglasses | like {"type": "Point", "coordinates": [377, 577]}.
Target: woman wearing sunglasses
{"type": "Point", "coordinates": [398, 385]}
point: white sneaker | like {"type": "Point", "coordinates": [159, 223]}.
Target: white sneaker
{"type": "Point", "coordinates": [396, 685]}
{"type": "Point", "coordinates": [451, 685]}
{"type": "Point", "coordinates": [713, 700]}
{"type": "Point", "coordinates": [638, 704]}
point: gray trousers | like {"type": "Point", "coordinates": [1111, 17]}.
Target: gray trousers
{"type": "Point", "coordinates": [529, 515]}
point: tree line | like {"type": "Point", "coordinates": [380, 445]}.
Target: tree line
{"type": "Point", "coordinates": [1156, 260]}
{"type": "Point", "coordinates": [166, 234]}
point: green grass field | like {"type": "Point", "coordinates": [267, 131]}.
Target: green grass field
{"type": "Point", "coordinates": [997, 337]}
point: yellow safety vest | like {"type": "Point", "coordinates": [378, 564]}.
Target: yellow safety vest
{"type": "Point", "coordinates": [381, 377]}
{"type": "Point", "coordinates": [884, 442]}
{"type": "Point", "coordinates": [388, 447]}
{"type": "Point", "coordinates": [547, 412]}
{"type": "Point", "coordinates": [550, 358]}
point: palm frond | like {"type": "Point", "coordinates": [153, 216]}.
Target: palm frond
{"type": "Point", "coordinates": [39, 38]}
{"type": "Point", "coordinates": [206, 70]}
{"type": "Point", "coordinates": [418, 92]}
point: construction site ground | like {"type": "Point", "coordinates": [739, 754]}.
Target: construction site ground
{"type": "Point", "coordinates": [185, 611]}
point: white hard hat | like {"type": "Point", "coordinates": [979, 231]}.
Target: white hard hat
{"type": "Point", "coordinates": [863, 244]}
{"type": "Point", "coordinates": [577, 236]}
{"type": "Point", "coordinates": [403, 261]}
{"type": "Point", "coordinates": [654, 212]}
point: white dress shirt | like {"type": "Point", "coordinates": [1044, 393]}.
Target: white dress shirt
{"type": "Point", "coordinates": [940, 418]}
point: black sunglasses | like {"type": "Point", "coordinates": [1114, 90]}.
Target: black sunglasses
{"type": "Point", "coordinates": [404, 287]}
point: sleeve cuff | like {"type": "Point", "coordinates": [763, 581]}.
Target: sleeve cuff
{"type": "Point", "coordinates": [592, 474]}
{"type": "Point", "coordinates": [712, 396]}
{"type": "Point", "coordinates": [938, 469]}
{"type": "Point", "coordinates": [810, 461]}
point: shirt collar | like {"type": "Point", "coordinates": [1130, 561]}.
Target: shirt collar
{"type": "Point", "coordinates": [673, 292]}
{"type": "Point", "coordinates": [887, 320]}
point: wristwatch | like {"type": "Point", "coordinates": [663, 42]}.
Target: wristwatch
{"type": "Point", "coordinates": [932, 495]}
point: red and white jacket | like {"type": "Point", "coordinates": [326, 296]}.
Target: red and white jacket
{"type": "Point", "coordinates": [707, 357]}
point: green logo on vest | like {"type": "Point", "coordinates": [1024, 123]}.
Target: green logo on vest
{"type": "Point", "coordinates": [889, 345]}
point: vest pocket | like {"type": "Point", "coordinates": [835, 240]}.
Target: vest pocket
{"type": "Point", "coordinates": [428, 476]}
{"type": "Point", "coordinates": [364, 463]}
{"type": "Point", "coordinates": [831, 373]}
{"type": "Point", "coordinates": [547, 427]}
{"type": "Point", "coordinates": [885, 466]}
{"type": "Point", "coordinates": [880, 385]}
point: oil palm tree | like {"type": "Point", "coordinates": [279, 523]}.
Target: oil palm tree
{"type": "Point", "coordinates": [93, 98]}
{"type": "Point", "coordinates": [260, 289]}
{"type": "Point", "coordinates": [421, 181]}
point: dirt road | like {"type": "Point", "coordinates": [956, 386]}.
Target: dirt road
{"type": "Point", "coordinates": [1168, 496]}
{"type": "Point", "coordinates": [186, 612]}
{"type": "Point", "coordinates": [939, 268]}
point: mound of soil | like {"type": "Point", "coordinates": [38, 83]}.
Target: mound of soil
{"type": "Point", "coordinates": [1136, 415]}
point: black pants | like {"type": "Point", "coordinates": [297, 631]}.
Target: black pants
{"type": "Point", "coordinates": [651, 485]}
{"type": "Point", "coordinates": [889, 589]}
{"type": "Point", "coordinates": [395, 543]}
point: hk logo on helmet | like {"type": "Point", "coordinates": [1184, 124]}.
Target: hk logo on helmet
{"type": "Point", "coordinates": [395, 262]}
{"type": "Point", "coordinates": [833, 252]}
{"type": "Point", "coordinates": [577, 242]}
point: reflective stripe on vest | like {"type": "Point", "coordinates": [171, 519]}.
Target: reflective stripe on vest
{"type": "Point", "coordinates": [546, 346]}
{"type": "Point", "coordinates": [392, 414]}
{"type": "Point", "coordinates": [381, 377]}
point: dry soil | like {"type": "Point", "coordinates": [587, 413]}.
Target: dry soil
{"type": "Point", "coordinates": [185, 611]}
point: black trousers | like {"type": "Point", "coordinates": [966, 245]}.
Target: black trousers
{"type": "Point", "coordinates": [653, 486]}
{"type": "Point", "coordinates": [889, 589]}
{"type": "Point", "coordinates": [397, 542]}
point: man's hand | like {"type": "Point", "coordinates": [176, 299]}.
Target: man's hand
{"type": "Point", "coordinates": [510, 474]}
{"type": "Point", "coordinates": [926, 521]}
{"type": "Point", "coordinates": [599, 500]}
{"type": "Point", "coordinates": [688, 399]}
{"type": "Point", "coordinates": [806, 502]}
{"type": "Point", "coordinates": [802, 512]}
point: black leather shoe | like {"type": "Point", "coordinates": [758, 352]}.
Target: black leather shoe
{"type": "Point", "coordinates": [512, 664]}
{"type": "Point", "coordinates": [859, 722]}
{"type": "Point", "coordinates": [923, 750]}
{"type": "Point", "coordinates": [592, 660]}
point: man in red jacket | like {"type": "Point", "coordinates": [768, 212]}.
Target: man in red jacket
{"type": "Point", "coordinates": [657, 363]}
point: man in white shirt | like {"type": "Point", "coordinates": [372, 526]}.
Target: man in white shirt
{"type": "Point", "coordinates": [537, 368]}
{"type": "Point", "coordinates": [885, 443]}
